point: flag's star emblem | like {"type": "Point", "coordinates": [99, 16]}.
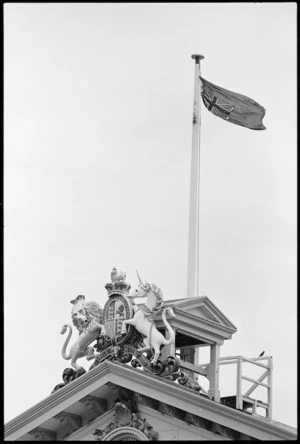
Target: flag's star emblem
{"type": "Point", "coordinates": [219, 109]}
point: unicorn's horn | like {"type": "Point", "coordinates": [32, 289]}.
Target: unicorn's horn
{"type": "Point", "coordinates": [141, 282]}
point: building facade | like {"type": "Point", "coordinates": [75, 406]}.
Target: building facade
{"type": "Point", "coordinates": [143, 383]}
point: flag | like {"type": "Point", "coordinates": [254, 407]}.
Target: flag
{"type": "Point", "coordinates": [231, 106]}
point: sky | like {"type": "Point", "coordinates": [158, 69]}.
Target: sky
{"type": "Point", "coordinates": [98, 103]}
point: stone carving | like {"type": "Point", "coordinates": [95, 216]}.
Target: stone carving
{"type": "Point", "coordinates": [126, 419]}
{"type": "Point", "coordinates": [143, 318]}
{"type": "Point", "coordinates": [40, 434]}
{"type": "Point", "coordinates": [69, 422]}
{"type": "Point", "coordinates": [116, 310]}
{"type": "Point", "coordinates": [87, 318]}
{"type": "Point", "coordinates": [121, 393]}
{"type": "Point", "coordinates": [123, 331]}
{"type": "Point", "coordinates": [69, 375]}
{"type": "Point", "coordinates": [188, 381]}
{"type": "Point", "coordinates": [117, 275]}
{"type": "Point", "coordinates": [97, 405]}
{"type": "Point", "coordinates": [118, 285]}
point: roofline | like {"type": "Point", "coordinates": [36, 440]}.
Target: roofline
{"type": "Point", "coordinates": [149, 385]}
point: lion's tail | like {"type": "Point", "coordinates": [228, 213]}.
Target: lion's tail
{"type": "Point", "coordinates": [64, 349]}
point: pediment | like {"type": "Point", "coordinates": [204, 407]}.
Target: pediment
{"type": "Point", "coordinates": [203, 308]}
{"type": "Point", "coordinates": [167, 409]}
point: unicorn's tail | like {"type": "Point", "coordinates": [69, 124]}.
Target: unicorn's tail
{"type": "Point", "coordinates": [171, 340]}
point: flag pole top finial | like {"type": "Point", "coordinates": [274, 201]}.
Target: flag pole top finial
{"type": "Point", "coordinates": [197, 57]}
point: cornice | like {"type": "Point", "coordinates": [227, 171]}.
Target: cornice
{"type": "Point", "coordinates": [211, 325]}
{"type": "Point", "coordinates": [180, 424]}
{"type": "Point", "coordinates": [189, 324]}
{"type": "Point", "coordinates": [63, 398]}
{"type": "Point", "coordinates": [200, 301]}
{"type": "Point", "coordinates": [219, 313]}
{"type": "Point", "coordinates": [176, 395]}
{"type": "Point", "coordinates": [150, 385]}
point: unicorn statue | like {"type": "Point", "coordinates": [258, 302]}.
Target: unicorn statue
{"type": "Point", "coordinates": [143, 319]}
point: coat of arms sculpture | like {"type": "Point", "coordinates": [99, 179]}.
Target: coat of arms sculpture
{"type": "Point", "coordinates": [123, 330]}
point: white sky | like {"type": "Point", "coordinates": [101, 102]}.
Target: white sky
{"type": "Point", "coordinates": [98, 105]}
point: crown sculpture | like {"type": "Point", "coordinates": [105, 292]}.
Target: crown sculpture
{"type": "Point", "coordinates": [123, 331]}
{"type": "Point", "coordinates": [117, 284]}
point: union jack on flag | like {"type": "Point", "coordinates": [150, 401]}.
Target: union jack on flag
{"type": "Point", "coordinates": [231, 106]}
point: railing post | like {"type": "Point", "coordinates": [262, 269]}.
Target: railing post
{"type": "Point", "coordinates": [213, 373]}
{"type": "Point", "coordinates": [270, 388]}
{"type": "Point", "coordinates": [196, 362]}
{"type": "Point", "coordinates": [239, 399]}
{"type": "Point", "coordinates": [254, 408]}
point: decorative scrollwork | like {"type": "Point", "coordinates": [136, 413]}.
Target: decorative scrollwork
{"type": "Point", "coordinates": [187, 381]}
{"type": "Point", "coordinates": [125, 357]}
{"type": "Point", "coordinates": [125, 332]}
{"type": "Point", "coordinates": [126, 419]}
{"type": "Point", "coordinates": [135, 363]}
{"type": "Point", "coordinates": [69, 375]}
{"type": "Point", "coordinates": [171, 366]}
{"type": "Point", "coordinates": [102, 343]}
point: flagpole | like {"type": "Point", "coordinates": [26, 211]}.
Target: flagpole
{"type": "Point", "coordinates": [193, 245]}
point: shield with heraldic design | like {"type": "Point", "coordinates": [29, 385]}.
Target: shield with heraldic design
{"type": "Point", "coordinates": [118, 308]}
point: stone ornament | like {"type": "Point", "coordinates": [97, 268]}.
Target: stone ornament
{"type": "Point", "coordinates": [127, 424]}
{"type": "Point", "coordinates": [69, 422]}
{"type": "Point", "coordinates": [87, 318]}
{"type": "Point", "coordinates": [40, 434]}
{"type": "Point", "coordinates": [123, 331]}
{"type": "Point", "coordinates": [118, 284]}
{"type": "Point", "coordinates": [116, 310]}
{"type": "Point", "coordinates": [143, 318]}
{"type": "Point", "coordinates": [97, 405]}
{"type": "Point", "coordinates": [69, 375]}
{"type": "Point", "coordinates": [127, 434]}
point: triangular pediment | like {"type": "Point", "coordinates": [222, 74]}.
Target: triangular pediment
{"type": "Point", "coordinates": [203, 308]}
{"type": "Point", "coordinates": [163, 407]}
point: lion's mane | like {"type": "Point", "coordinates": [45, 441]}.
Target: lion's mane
{"type": "Point", "coordinates": [93, 313]}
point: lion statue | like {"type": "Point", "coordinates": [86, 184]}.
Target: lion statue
{"type": "Point", "coordinates": [87, 318]}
